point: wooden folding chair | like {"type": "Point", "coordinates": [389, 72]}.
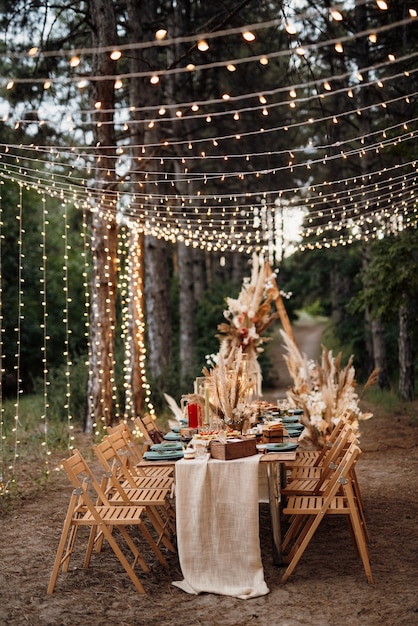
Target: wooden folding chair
{"type": "Point", "coordinates": [102, 517]}
{"type": "Point", "coordinates": [312, 458]}
{"type": "Point", "coordinates": [307, 512]}
{"type": "Point", "coordinates": [149, 430]}
{"type": "Point", "coordinates": [136, 458]}
{"type": "Point", "coordinates": [152, 492]}
{"type": "Point", "coordinates": [117, 461]}
{"type": "Point", "coordinates": [311, 480]}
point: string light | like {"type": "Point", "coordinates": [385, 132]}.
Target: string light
{"type": "Point", "coordinates": [67, 357]}
{"type": "Point", "coordinates": [291, 28]}
{"type": "Point", "coordinates": [203, 45]}
{"type": "Point", "coordinates": [248, 36]}
{"type": "Point", "coordinates": [336, 15]}
{"type": "Point", "coordinates": [161, 34]}
{"type": "Point", "coordinates": [45, 336]}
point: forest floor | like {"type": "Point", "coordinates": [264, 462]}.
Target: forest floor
{"type": "Point", "coordinates": [327, 588]}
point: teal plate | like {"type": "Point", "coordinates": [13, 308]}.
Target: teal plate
{"type": "Point", "coordinates": [172, 436]}
{"type": "Point", "coordinates": [170, 446]}
{"type": "Point", "coordinates": [290, 420]}
{"type": "Point", "coordinates": [294, 427]}
{"type": "Point", "coordinates": [163, 455]}
{"type": "Point", "coordinates": [281, 447]}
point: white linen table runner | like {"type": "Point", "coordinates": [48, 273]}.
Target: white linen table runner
{"type": "Point", "coordinates": [217, 520]}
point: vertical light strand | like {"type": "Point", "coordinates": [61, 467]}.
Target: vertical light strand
{"type": "Point", "coordinates": [86, 274]}
{"type": "Point", "coordinates": [19, 217]}
{"type": "Point", "coordinates": [138, 318]}
{"type": "Point", "coordinates": [115, 395]}
{"type": "Point", "coordinates": [3, 481]}
{"type": "Point", "coordinates": [126, 318]}
{"type": "Point", "coordinates": [67, 333]}
{"type": "Point", "coordinates": [44, 327]}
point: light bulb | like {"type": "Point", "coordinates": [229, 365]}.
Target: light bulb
{"type": "Point", "coordinates": [248, 35]}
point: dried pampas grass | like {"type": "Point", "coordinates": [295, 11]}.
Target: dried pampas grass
{"type": "Point", "coordinates": [324, 390]}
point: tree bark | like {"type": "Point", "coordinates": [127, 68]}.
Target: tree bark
{"type": "Point", "coordinates": [104, 227]}
{"type": "Point", "coordinates": [375, 336]}
{"type": "Point", "coordinates": [157, 299]}
{"type": "Point", "coordinates": [406, 360]}
{"type": "Point", "coordinates": [152, 253]}
{"type": "Point", "coordinates": [134, 402]}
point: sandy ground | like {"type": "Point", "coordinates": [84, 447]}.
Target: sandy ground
{"type": "Point", "coordinates": [328, 587]}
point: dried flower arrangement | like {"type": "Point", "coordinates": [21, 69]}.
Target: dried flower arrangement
{"type": "Point", "coordinates": [249, 316]}
{"type": "Point", "coordinates": [325, 392]}
{"type": "Point", "coordinates": [229, 388]}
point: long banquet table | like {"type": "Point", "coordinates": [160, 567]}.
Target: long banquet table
{"type": "Point", "coordinates": [217, 520]}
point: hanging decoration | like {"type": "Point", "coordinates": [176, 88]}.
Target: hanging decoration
{"type": "Point", "coordinates": [248, 317]}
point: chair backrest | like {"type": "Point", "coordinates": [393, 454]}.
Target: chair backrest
{"type": "Point", "coordinates": [334, 444]}
{"type": "Point", "coordinates": [128, 463]}
{"type": "Point", "coordinates": [149, 429]}
{"type": "Point", "coordinates": [108, 458]}
{"type": "Point", "coordinates": [114, 468]}
{"type": "Point", "coordinates": [341, 473]}
{"type": "Point", "coordinates": [330, 442]}
{"type": "Point", "coordinates": [134, 447]}
{"type": "Point", "coordinates": [82, 479]}
{"type": "Point", "coordinates": [345, 439]}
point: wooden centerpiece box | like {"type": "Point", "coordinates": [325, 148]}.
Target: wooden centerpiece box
{"type": "Point", "coordinates": [273, 433]}
{"type": "Point", "coordinates": [235, 448]}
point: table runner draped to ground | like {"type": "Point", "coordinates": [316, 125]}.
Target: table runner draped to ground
{"type": "Point", "coordinates": [217, 518]}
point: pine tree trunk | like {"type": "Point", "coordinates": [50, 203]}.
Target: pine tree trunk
{"type": "Point", "coordinates": [104, 227]}
{"type": "Point", "coordinates": [157, 302]}
{"type": "Point", "coordinates": [406, 361]}
{"type": "Point", "coordinates": [375, 336]}
{"type": "Point", "coordinates": [186, 310]}
{"type": "Point", "coordinates": [135, 395]}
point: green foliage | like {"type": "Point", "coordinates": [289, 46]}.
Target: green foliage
{"type": "Point", "coordinates": [385, 399]}
{"type": "Point", "coordinates": [209, 315]}
{"type": "Point", "coordinates": [60, 384]}
{"type": "Point", "coordinates": [391, 275]}
{"type": "Point", "coordinates": [29, 279]}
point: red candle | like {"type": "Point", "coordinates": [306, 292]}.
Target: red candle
{"type": "Point", "coordinates": [193, 414]}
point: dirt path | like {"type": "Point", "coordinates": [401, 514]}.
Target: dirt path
{"type": "Point", "coordinates": [308, 337]}
{"type": "Point", "coordinates": [328, 587]}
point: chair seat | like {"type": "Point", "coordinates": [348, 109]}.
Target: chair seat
{"type": "Point", "coordinates": [113, 515]}
{"type": "Point", "coordinates": [310, 505]}
{"type": "Point", "coordinates": [151, 482]}
{"type": "Point", "coordinates": [144, 497]}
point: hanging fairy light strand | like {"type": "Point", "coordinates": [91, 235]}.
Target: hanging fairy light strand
{"type": "Point", "coordinates": [65, 311]}
{"type": "Point", "coordinates": [195, 106]}
{"type": "Point", "coordinates": [18, 329]}
{"type": "Point", "coordinates": [45, 336]}
{"type": "Point", "coordinates": [405, 128]}
{"type": "Point", "coordinates": [235, 211]}
{"type": "Point", "coordinates": [60, 152]}
{"type": "Point", "coordinates": [11, 81]}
